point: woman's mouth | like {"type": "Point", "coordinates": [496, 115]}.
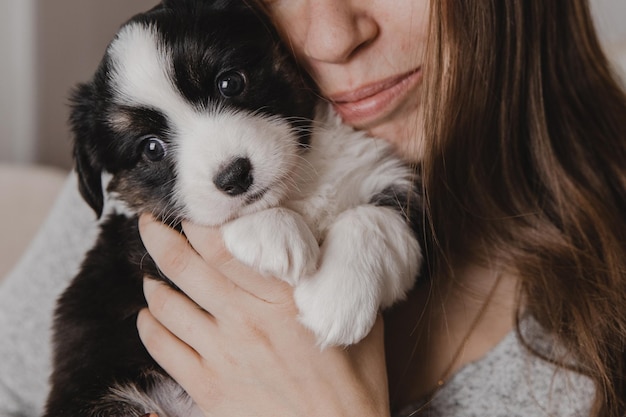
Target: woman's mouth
{"type": "Point", "coordinates": [369, 103]}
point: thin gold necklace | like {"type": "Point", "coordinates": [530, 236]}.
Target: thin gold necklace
{"type": "Point", "coordinates": [459, 351]}
{"type": "Point", "coordinates": [479, 316]}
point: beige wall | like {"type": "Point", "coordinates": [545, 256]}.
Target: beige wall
{"type": "Point", "coordinates": [17, 78]}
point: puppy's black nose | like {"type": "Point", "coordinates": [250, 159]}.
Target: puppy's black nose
{"type": "Point", "coordinates": [236, 178]}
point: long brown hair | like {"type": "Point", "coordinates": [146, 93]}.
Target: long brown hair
{"type": "Point", "coordinates": [526, 128]}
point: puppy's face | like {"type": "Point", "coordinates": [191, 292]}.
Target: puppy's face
{"type": "Point", "coordinates": [196, 110]}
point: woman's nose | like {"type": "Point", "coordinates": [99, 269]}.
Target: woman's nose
{"type": "Point", "coordinates": [336, 30]}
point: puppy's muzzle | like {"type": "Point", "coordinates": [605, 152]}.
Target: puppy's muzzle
{"type": "Point", "coordinates": [236, 178]}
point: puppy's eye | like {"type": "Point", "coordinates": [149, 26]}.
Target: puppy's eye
{"type": "Point", "coordinates": [153, 148]}
{"type": "Point", "coordinates": [231, 83]}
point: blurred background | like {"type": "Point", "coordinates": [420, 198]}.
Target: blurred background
{"type": "Point", "coordinates": [47, 46]}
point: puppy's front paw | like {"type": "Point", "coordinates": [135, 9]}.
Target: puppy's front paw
{"type": "Point", "coordinates": [276, 241]}
{"type": "Point", "coordinates": [338, 313]}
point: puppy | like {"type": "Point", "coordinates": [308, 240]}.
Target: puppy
{"type": "Point", "coordinates": [198, 112]}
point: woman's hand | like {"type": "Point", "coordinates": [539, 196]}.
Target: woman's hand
{"type": "Point", "coordinates": [234, 342]}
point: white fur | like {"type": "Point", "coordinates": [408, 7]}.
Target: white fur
{"type": "Point", "coordinates": [142, 71]}
{"type": "Point", "coordinates": [369, 257]}
{"type": "Point", "coordinates": [369, 260]}
{"type": "Point", "coordinates": [167, 399]}
{"type": "Point", "coordinates": [276, 241]}
{"type": "Point", "coordinates": [212, 141]}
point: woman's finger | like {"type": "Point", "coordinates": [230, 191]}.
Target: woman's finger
{"type": "Point", "coordinates": [179, 314]}
{"type": "Point", "coordinates": [176, 357]}
{"type": "Point", "coordinates": [204, 284]}
{"type": "Point", "coordinates": [184, 364]}
{"type": "Point", "coordinates": [207, 241]}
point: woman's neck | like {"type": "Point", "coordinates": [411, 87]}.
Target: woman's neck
{"type": "Point", "coordinates": [443, 326]}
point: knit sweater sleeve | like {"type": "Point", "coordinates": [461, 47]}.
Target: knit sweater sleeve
{"type": "Point", "coordinates": [27, 299]}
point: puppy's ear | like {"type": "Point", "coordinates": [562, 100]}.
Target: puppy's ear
{"type": "Point", "coordinates": [84, 120]}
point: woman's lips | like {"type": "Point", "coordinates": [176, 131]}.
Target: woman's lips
{"type": "Point", "coordinates": [368, 103]}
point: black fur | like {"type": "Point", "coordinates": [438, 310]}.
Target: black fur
{"type": "Point", "coordinates": [96, 341]}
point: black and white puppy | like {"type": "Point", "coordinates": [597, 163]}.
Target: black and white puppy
{"type": "Point", "coordinates": [198, 112]}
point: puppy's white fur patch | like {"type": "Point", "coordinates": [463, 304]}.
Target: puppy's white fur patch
{"type": "Point", "coordinates": [142, 72]}
{"type": "Point", "coordinates": [210, 142]}
{"type": "Point", "coordinates": [167, 399]}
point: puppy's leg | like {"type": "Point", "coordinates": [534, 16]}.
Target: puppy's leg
{"type": "Point", "coordinates": [369, 259]}
{"type": "Point", "coordinates": [275, 241]}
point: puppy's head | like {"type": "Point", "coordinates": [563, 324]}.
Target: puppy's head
{"type": "Point", "coordinates": [196, 110]}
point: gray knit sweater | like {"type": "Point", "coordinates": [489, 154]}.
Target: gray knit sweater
{"type": "Point", "coordinates": [508, 381]}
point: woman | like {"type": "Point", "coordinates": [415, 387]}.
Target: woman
{"type": "Point", "coordinates": [520, 131]}
{"type": "Point", "coordinates": [517, 126]}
